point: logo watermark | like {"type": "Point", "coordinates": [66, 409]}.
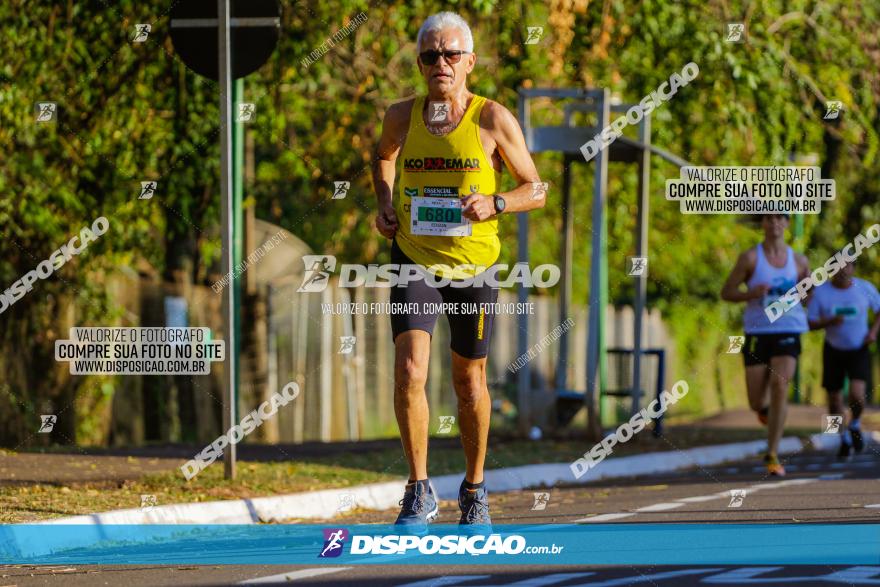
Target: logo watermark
{"type": "Point", "coordinates": [347, 344]}
{"type": "Point", "coordinates": [627, 430]}
{"type": "Point", "coordinates": [637, 266]}
{"type": "Point", "coordinates": [148, 502]}
{"type": "Point", "coordinates": [737, 496]}
{"type": "Point", "coordinates": [539, 190]}
{"type": "Point", "coordinates": [251, 259]}
{"type": "Point", "coordinates": [820, 275]}
{"type": "Point", "coordinates": [46, 111]}
{"type": "Point", "coordinates": [56, 261]}
{"type": "Point", "coordinates": [47, 423]}
{"type": "Point", "coordinates": [534, 34]}
{"type": "Point", "coordinates": [346, 503]}
{"type": "Point", "coordinates": [143, 350]}
{"type": "Point", "coordinates": [340, 189]}
{"type": "Point", "coordinates": [634, 115]}
{"type": "Point", "coordinates": [318, 269]}
{"type": "Point", "coordinates": [438, 112]}
{"type": "Point", "coordinates": [735, 344]}
{"type": "Point", "coordinates": [247, 112]}
{"type": "Point", "coordinates": [446, 424]}
{"type": "Point", "coordinates": [334, 541]}
{"type": "Point", "coordinates": [542, 498]}
{"type": "Point", "coordinates": [475, 545]}
{"type": "Point", "coordinates": [141, 32]}
{"type": "Point", "coordinates": [833, 109]}
{"type": "Point", "coordinates": [538, 347]}
{"type": "Point", "coordinates": [148, 189]}
{"type": "Point", "coordinates": [736, 32]}
{"type": "Point", "coordinates": [234, 435]}
{"type": "Point", "coordinates": [773, 189]}
{"type": "Point", "coordinates": [337, 37]}
{"type": "Point", "coordinates": [832, 424]}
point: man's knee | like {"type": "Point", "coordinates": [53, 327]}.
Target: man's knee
{"type": "Point", "coordinates": [469, 383]}
{"type": "Point", "coordinates": [410, 375]}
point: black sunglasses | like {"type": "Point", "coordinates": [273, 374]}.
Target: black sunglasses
{"type": "Point", "coordinates": [431, 57]}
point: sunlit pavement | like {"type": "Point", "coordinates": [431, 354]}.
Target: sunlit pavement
{"type": "Point", "coordinates": [818, 489]}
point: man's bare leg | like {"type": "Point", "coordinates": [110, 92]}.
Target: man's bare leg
{"type": "Point", "coordinates": [412, 350]}
{"type": "Point", "coordinates": [856, 404]}
{"type": "Point", "coordinates": [781, 372]}
{"type": "Point", "coordinates": [474, 412]}
{"type": "Point", "coordinates": [856, 398]}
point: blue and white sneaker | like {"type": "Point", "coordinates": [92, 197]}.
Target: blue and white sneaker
{"type": "Point", "coordinates": [418, 508]}
{"type": "Point", "coordinates": [474, 506]}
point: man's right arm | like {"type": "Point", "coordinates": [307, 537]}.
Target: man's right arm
{"type": "Point", "coordinates": [394, 129]}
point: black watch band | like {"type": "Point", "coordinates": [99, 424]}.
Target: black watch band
{"type": "Point", "coordinates": [500, 204]}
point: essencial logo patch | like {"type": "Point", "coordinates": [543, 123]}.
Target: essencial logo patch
{"type": "Point", "coordinates": [411, 192]}
{"type": "Point", "coordinates": [441, 191]}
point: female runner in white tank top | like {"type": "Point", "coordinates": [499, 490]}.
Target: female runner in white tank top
{"type": "Point", "coordinates": [771, 349]}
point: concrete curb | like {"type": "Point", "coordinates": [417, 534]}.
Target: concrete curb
{"type": "Point", "coordinates": [832, 441]}
{"type": "Point", "coordinates": [322, 505]}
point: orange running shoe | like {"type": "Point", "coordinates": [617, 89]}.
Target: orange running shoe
{"type": "Point", "coordinates": [774, 467]}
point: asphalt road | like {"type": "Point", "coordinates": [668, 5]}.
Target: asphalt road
{"type": "Point", "coordinates": [817, 489]}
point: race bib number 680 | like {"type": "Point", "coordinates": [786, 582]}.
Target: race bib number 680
{"type": "Point", "coordinates": [438, 217]}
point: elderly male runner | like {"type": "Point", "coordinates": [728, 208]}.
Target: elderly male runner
{"type": "Point", "coordinates": [452, 144]}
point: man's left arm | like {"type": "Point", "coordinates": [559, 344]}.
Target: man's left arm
{"type": "Point", "coordinates": [511, 144]}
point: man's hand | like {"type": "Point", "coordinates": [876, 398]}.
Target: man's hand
{"type": "Point", "coordinates": [759, 291]}
{"type": "Point", "coordinates": [870, 338]}
{"type": "Point", "coordinates": [478, 207]}
{"type": "Point", "coordinates": [386, 221]}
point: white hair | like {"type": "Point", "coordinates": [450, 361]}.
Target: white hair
{"type": "Point", "coordinates": [446, 20]}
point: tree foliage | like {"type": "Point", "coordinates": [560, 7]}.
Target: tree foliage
{"type": "Point", "coordinates": [130, 112]}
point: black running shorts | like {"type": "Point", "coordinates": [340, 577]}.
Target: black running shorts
{"type": "Point", "coordinates": [470, 330]}
{"type": "Point", "coordinates": [759, 348]}
{"type": "Point", "coordinates": [837, 365]}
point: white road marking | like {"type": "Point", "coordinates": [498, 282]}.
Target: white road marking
{"type": "Point", "coordinates": [661, 507]}
{"type": "Point", "coordinates": [873, 505]}
{"type": "Point", "coordinates": [606, 517]}
{"type": "Point", "coordinates": [295, 575]}
{"type": "Point", "coordinates": [666, 506]}
{"type": "Point", "coordinates": [702, 498]}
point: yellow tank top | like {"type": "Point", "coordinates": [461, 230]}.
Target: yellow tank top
{"type": "Point", "coordinates": [437, 170]}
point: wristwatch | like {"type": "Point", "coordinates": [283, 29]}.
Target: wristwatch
{"type": "Point", "coordinates": [499, 204]}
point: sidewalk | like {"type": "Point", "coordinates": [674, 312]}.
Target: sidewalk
{"type": "Point", "coordinates": [41, 486]}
